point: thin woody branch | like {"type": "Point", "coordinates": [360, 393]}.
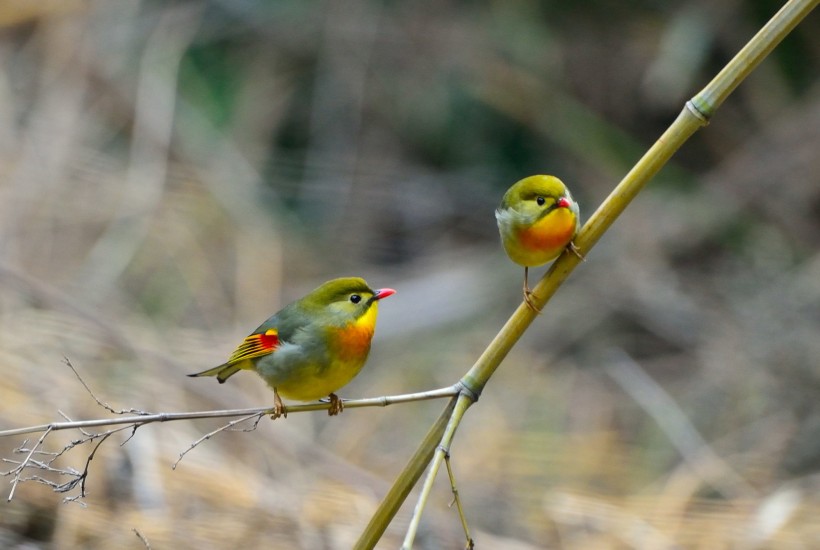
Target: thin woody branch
{"type": "Point", "coordinates": [148, 418]}
{"type": "Point", "coordinates": [133, 419]}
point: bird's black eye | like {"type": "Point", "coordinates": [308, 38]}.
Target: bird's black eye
{"type": "Point", "coordinates": [355, 298]}
{"type": "Point", "coordinates": [540, 201]}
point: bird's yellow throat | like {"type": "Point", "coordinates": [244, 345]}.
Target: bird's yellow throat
{"type": "Point", "coordinates": [352, 341]}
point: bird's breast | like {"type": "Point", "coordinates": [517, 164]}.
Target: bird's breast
{"type": "Point", "coordinates": [552, 232]}
{"type": "Point", "coordinates": [351, 342]}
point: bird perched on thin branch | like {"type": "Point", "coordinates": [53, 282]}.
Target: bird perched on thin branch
{"type": "Point", "coordinates": [537, 220]}
{"type": "Point", "coordinates": [313, 346]}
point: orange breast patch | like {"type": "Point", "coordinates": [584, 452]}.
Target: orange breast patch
{"type": "Point", "coordinates": [553, 231]}
{"type": "Point", "coordinates": [353, 341]}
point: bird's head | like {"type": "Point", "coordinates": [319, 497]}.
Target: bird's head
{"type": "Point", "coordinates": [537, 196]}
{"type": "Point", "coordinates": [345, 299]}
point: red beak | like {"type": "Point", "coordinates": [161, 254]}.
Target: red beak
{"type": "Point", "coordinates": [383, 293]}
{"type": "Point", "coordinates": [563, 202]}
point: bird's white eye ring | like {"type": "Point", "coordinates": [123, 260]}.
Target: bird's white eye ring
{"type": "Point", "coordinates": [355, 298]}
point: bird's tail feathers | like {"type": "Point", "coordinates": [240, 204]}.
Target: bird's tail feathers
{"type": "Point", "coordinates": [222, 372]}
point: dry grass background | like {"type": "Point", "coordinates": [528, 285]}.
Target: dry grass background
{"type": "Point", "coordinates": [173, 172]}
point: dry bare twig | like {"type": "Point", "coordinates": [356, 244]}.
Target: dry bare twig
{"type": "Point", "coordinates": [226, 427]}
{"type": "Point", "coordinates": [101, 403]}
{"type": "Point", "coordinates": [133, 419]}
{"type": "Point", "coordinates": [142, 538]}
{"type": "Point", "coordinates": [470, 543]}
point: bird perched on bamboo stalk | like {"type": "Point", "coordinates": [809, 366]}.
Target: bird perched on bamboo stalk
{"type": "Point", "coordinates": [537, 220]}
{"type": "Point", "coordinates": [311, 347]}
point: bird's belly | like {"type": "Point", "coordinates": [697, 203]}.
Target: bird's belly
{"type": "Point", "coordinates": [304, 373]}
{"type": "Point", "coordinates": [318, 383]}
{"type": "Point", "coordinates": [309, 380]}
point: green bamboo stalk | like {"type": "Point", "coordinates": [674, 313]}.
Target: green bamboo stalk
{"type": "Point", "coordinates": [749, 57]}
{"type": "Point", "coordinates": [442, 451]}
{"type": "Point", "coordinates": [696, 113]}
{"type": "Point", "coordinates": [406, 480]}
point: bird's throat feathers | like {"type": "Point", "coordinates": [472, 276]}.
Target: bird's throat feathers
{"type": "Point", "coordinates": [352, 341]}
{"type": "Point", "coordinates": [552, 231]}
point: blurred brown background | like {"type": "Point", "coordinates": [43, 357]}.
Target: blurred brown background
{"type": "Point", "coordinates": [171, 173]}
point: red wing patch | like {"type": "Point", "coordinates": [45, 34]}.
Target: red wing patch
{"type": "Point", "coordinates": [256, 345]}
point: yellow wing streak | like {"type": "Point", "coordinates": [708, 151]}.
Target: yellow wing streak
{"type": "Point", "coordinates": [256, 345]}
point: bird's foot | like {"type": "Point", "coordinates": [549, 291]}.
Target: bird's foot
{"type": "Point", "coordinates": [528, 293]}
{"type": "Point", "coordinates": [279, 408]}
{"type": "Point", "coordinates": [575, 250]}
{"type": "Point", "coordinates": [528, 296]}
{"type": "Point", "coordinates": [336, 404]}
